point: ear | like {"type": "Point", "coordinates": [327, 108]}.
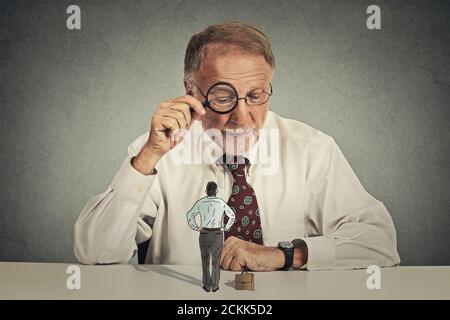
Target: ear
{"type": "Point", "coordinates": [188, 87]}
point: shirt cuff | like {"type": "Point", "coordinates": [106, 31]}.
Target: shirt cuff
{"type": "Point", "coordinates": [321, 254]}
{"type": "Point", "coordinates": [130, 183]}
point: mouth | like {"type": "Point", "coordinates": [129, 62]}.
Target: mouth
{"type": "Point", "coordinates": [239, 132]}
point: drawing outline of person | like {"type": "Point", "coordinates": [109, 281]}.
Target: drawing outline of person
{"type": "Point", "coordinates": [211, 210]}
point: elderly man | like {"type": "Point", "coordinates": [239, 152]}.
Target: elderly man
{"type": "Point", "coordinates": [301, 207]}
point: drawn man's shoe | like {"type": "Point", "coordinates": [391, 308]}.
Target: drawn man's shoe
{"type": "Point", "coordinates": [215, 289]}
{"type": "Point", "coordinates": [206, 289]}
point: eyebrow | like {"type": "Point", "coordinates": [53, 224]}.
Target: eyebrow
{"type": "Point", "coordinates": [261, 85]}
{"type": "Point", "coordinates": [224, 90]}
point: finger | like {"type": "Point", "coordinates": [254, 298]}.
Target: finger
{"type": "Point", "coordinates": [192, 102]}
{"type": "Point", "coordinates": [191, 114]}
{"type": "Point", "coordinates": [183, 108]}
{"type": "Point", "coordinates": [238, 261]}
{"type": "Point", "coordinates": [236, 265]}
{"type": "Point", "coordinates": [226, 247]}
{"type": "Point", "coordinates": [171, 125]}
{"type": "Point", "coordinates": [229, 256]}
{"type": "Point", "coordinates": [179, 135]}
{"type": "Point", "coordinates": [177, 115]}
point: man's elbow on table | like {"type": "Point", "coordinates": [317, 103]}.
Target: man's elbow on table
{"type": "Point", "coordinates": [372, 246]}
{"type": "Point", "coordinates": [89, 251]}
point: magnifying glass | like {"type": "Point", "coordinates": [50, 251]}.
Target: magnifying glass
{"type": "Point", "coordinates": [222, 97]}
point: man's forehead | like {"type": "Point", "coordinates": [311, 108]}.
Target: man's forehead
{"type": "Point", "coordinates": [234, 67]}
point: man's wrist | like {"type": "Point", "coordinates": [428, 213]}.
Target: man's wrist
{"type": "Point", "coordinates": [300, 253]}
{"type": "Point", "coordinates": [279, 258]}
{"type": "Point", "coordinates": [145, 162]}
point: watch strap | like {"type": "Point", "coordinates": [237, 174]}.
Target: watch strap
{"type": "Point", "coordinates": [288, 257]}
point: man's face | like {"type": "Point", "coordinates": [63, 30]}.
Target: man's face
{"type": "Point", "coordinates": [246, 73]}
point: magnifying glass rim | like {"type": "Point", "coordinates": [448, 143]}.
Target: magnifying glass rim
{"type": "Point", "coordinates": [215, 84]}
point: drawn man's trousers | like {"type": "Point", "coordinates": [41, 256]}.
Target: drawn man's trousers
{"type": "Point", "coordinates": [211, 242]}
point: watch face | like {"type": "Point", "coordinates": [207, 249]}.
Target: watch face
{"type": "Point", "coordinates": [285, 244]}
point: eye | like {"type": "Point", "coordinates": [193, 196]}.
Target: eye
{"type": "Point", "coordinates": [255, 95]}
{"type": "Point", "coordinates": [223, 100]}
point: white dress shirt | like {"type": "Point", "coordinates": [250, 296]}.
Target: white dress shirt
{"type": "Point", "coordinates": [311, 193]}
{"type": "Point", "coordinates": [210, 210]}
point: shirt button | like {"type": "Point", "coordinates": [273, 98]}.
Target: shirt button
{"type": "Point", "coordinates": [140, 189]}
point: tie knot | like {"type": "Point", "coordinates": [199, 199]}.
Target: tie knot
{"type": "Point", "coordinates": [236, 169]}
{"type": "Point", "coordinates": [236, 164]}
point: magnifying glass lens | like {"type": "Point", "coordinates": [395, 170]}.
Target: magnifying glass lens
{"type": "Point", "coordinates": [222, 98]}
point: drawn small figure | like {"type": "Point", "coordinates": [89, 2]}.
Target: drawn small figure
{"type": "Point", "coordinates": [211, 210]}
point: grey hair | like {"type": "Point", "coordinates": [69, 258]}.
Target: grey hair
{"type": "Point", "coordinates": [230, 36]}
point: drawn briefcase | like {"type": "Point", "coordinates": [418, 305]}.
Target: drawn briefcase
{"type": "Point", "coordinates": [245, 281]}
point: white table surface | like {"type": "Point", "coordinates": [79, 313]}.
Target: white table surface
{"type": "Point", "coordinates": [20, 280]}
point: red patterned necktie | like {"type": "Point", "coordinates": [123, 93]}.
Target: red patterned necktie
{"type": "Point", "coordinates": [244, 204]}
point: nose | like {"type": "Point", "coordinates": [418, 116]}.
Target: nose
{"type": "Point", "coordinates": [241, 114]}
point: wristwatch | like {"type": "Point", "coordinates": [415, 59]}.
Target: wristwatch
{"type": "Point", "coordinates": [288, 250]}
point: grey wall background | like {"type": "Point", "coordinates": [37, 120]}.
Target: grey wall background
{"type": "Point", "coordinates": [72, 101]}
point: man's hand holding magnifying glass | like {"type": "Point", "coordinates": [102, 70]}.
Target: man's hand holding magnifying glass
{"type": "Point", "coordinates": [170, 117]}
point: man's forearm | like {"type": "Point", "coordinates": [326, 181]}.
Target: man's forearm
{"type": "Point", "coordinates": [300, 253]}
{"type": "Point", "coordinates": [237, 253]}
{"type": "Point", "coordinates": [300, 257]}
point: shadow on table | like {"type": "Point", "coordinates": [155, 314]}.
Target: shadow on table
{"type": "Point", "coordinates": [169, 273]}
{"type": "Point", "coordinates": [231, 284]}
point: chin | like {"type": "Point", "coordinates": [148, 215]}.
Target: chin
{"type": "Point", "coordinates": [238, 146]}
